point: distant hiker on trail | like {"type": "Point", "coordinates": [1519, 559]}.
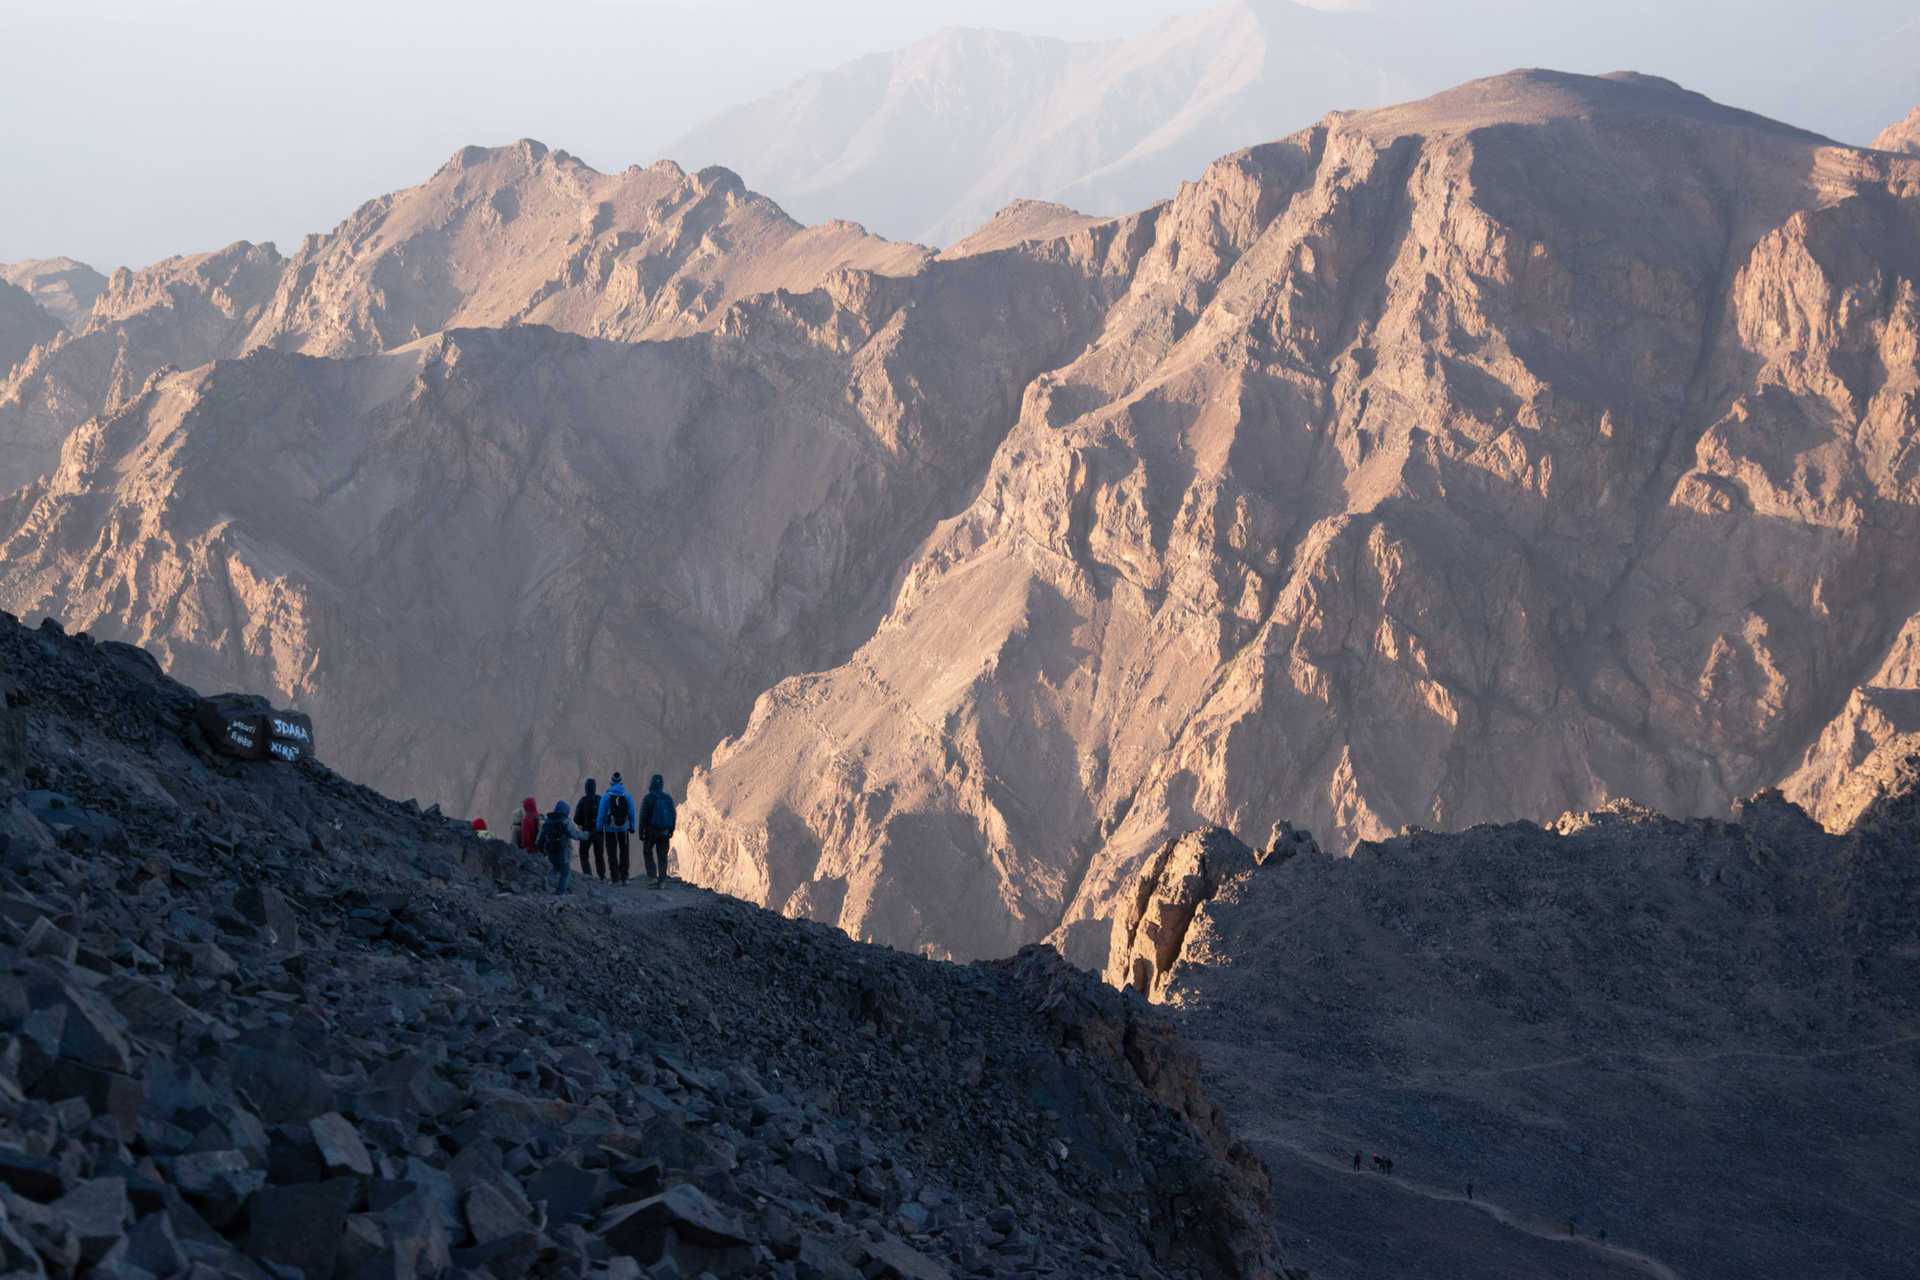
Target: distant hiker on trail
{"type": "Point", "coordinates": [589, 811]}
{"type": "Point", "coordinates": [615, 824]}
{"type": "Point", "coordinates": [529, 825]}
{"type": "Point", "coordinates": [1469, 1191]}
{"type": "Point", "coordinates": [656, 830]}
{"type": "Point", "coordinates": [1356, 1159]}
{"type": "Point", "coordinates": [555, 832]}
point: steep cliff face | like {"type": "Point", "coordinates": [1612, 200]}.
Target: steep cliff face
{"type": "Point", "coordinates": [502, 559]}
{"type": "Point", "coordinates": [498, 237]}
{"type": "Point", "coordinates": [24, 324]}
{"type": "Point", "coordinates": [1544, 442]}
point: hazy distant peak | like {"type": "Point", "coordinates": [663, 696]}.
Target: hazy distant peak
{"type": "Point", "coordinates": [1901, 135]}
{"type": "Point", "coordinates": [63, 287]}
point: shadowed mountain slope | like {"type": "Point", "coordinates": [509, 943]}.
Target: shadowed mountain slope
{"type": "Point", "coordinates": [1699, 1038]}
{"type": "Point", "coordinates": [259, 1020]}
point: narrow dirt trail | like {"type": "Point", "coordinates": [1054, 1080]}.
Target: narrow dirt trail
{"type": "Point", "coordinates": [1507, 1218]}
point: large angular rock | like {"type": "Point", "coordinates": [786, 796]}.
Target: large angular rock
{"type": "Point", "coordinates": [92, 1031]}
{"type": "Point", "coordinates": [96, 1212]}
{"type": "Point", "coordinates": [340, 1146]}
{"type": "Point", "coordinates": [640, 1230]}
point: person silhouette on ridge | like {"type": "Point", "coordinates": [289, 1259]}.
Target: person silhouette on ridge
{"type": "Point", "coordinates": [589, 811]}
{"type": "Point", "coordinates": [656, 830]}
{"type": "Point", "coordinates": [615, 825]}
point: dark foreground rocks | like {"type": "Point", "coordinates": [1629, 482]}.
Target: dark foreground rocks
{"type": "Point", "coordinates": [256, 1021]}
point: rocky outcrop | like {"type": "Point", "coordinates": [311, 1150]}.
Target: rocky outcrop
{"type": "Point", "coordinates": [1150, 929]}
{"type": "Point", "coordinates": [1902, 135]}
{"type": "Point", "coordinates": [277, 1024]}
{"type": "Point", "coordinates": [1577, 1020]}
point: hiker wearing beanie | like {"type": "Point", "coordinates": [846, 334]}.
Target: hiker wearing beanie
{"type": "Point", "coordinates": [656, 831]}
{"type": "Point", "coordinates": [555, 832]}
{"type": "Point", "coordinates": [615, 824]}
{"type": "Point", "coordinates": [589, 811]}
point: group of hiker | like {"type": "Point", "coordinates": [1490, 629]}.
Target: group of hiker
{"type": "Point", "coordinates": [602, 824]}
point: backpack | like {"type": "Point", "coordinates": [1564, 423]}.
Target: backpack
{"type": "Point", "coordinates": [619, 809]}
{"type": "Point", "coordinates": [656, 812]}
{"type": "Point", "coordinates": [553, 837]}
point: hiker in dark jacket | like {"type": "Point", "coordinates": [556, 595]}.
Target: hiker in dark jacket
{"type": "Point", "coordinates": [615, 824]}
{"type": "Point", "coordinates": [589, 811]}
{"type": "Point", "coordinates": [528, 827]}
{"type": "Point", "coordinates": [656, 831]}
{"type": "Point", "coordinates": [555, 831]}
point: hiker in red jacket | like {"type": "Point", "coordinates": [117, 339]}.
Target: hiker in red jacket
{"type": "Point", "coordinates": [529, 827]}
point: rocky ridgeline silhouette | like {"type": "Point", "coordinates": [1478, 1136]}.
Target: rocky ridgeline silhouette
{"type": "Point", "coordinates": [258, 1021]}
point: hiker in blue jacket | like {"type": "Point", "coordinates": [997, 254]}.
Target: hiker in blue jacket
{"type": "Point", "coordinates": [557, 834]}
{"type": "Point", "coordinates": [615, 825]}
{"type": "Point", "coordinates": [656, 831]}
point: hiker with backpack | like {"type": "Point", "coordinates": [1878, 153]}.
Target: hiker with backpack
{"type": "Point", "coordinates": [556, 832]}
{"type": "Point", "coordinates": [615, 824]}
{"type": "Point", "coordinates": [589, 811]}
{"type": "Point", "coordinates": [656, 831]}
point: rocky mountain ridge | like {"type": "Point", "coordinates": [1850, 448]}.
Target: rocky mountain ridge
{"type": "Point", "coordinates": [496, 238]}
{"type": "Point", "coordinates": [260, 1021]}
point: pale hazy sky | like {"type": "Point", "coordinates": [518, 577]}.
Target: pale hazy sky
{"type": "Point", "coordinates": [134, 129]}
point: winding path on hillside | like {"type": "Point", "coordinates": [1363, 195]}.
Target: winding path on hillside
{"type": "Point", "coordinates": [1507, 1218]}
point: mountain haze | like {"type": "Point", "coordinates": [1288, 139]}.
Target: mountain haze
{"type": "Point", "coordinates": [926, 143]}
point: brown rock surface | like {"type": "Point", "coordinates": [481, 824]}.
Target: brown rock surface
{"type": "Point", "coordinates": [1542, 443]}
{"type": "Point", "coordinates": [24, 324]}
{"type": "Point", "coordinates": [1698, 1038]}
{"type": "Point", "coordinates": [1902, 135]}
